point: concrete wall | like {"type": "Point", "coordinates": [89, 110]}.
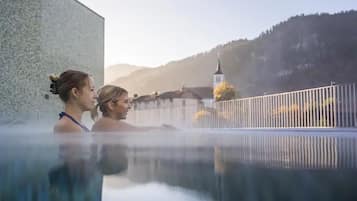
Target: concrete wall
{"type": "Point", "coordinates": [19, 55]}
{"type": "Point", "coordinates": [41, 37]}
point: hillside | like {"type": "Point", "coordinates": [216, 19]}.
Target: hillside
{"type": "Point", "coordinates": [302, 52]}
{"type": "Point", "coordinates": [120, 70]}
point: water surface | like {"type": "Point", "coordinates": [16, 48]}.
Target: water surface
{"type": "Point", "coordinates": [192, 165]}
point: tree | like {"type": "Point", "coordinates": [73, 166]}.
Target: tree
{"type": "Point", "coordinates": [224, 91]}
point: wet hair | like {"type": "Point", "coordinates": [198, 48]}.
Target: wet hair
{"type": "Point", "coordinates": [105, 94]}
{"type": "Point", "coordinates": [68, 80]}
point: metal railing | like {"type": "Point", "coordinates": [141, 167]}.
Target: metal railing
{"type": "Point", "coordinates": [330, 106]}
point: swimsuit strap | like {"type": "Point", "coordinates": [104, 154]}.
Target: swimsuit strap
{"type": "Point", "coordinates": [75, 121]}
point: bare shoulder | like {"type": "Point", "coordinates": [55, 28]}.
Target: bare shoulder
{"type": "Point", "coordinates": [65, 126]}
{"type": "Point", "coordinates": [126, 126]}
{"type": "Point", "coordinates": [103, 125]}
{"type": "Point", "coordinates": [110, 125]}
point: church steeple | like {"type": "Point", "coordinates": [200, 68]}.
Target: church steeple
{"type": "Point", "coordinates": [218, 70]}
{"type": "Point", "coordinates": [218, 76]}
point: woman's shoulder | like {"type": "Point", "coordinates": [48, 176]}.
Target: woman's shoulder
{"type": "Point", "coordinates": [65, 126]}
{"type": "Point", "coordinates": [110, 125]}
{"type": "Point", "coordinates": [104, 124]}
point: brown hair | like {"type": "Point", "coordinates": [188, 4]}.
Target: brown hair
{"type": "Point", "coordinates": [68, 80]}
{"type": "Point", "coordinates": [105, 94]}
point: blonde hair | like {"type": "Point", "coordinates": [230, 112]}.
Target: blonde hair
{"type": "Point", "coordinates": [105, 94]}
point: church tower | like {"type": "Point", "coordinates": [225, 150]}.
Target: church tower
{"type": "Point", "coordinates": [218, 76]}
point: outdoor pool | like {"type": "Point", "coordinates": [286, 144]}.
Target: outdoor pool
{"type": "Point", "coordinates": [232, 164]}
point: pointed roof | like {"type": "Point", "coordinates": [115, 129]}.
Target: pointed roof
{"type": "Point", "coordinates": [218, 70]}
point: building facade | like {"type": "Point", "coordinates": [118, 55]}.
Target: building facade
{"type": "Point", "coordinates": [39, 38]}
{"type": "Point", "coordinates": [171, 107]}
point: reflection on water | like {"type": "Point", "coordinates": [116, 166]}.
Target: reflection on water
{"type": "Point", "coordinates": [152, 191]}
{"type": "Point", "coordinates": [181, 166]}
{"type": "Point", "coordinates": [76, 178]}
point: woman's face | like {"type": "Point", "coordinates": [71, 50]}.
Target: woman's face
{"type": "Point", "coordinates": [121, 106]}
{"type": "Point", "coordinates": [88, 96]}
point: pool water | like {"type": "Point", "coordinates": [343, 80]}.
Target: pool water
{"type": "Point", "coordinates": [196, 165]}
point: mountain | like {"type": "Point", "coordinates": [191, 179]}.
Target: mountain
{"type": "Point", "coordinates": [120, 70]}
{"type": "Point", "coordinates": [302, 52]}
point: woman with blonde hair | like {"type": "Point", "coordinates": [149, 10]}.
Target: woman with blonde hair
{"type": "Point", "coordinates": [114, 103]}
{"type": "Point", "coordinates": [76, 90]}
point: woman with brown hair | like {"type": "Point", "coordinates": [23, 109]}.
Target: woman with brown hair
{"type": "Point", "coordinates": [76, 90]}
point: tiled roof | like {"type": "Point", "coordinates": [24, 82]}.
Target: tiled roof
{"type": "Point", "coordinates": [186, 93]}
{"type": "Point", "coordinates": [201, 92]}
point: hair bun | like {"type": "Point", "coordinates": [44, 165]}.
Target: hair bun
{"type": "Point", "coordinates": [54, 85]}
{"type": "Point", "coordinates": [53, 77]}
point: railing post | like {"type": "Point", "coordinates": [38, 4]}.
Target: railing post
{"type": "Point", "coordinates": [350, 106]}
{"type": "Point", "coordinates": [354, 105]}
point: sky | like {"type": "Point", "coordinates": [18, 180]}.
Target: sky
{"type": "Point", "coordinates": [154, 32]}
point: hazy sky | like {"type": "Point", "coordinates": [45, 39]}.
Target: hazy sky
{"type": "Point", "coordinates": [154, 32]}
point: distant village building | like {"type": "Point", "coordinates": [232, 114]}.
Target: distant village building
{"type": "Point", "coordinates": [185, 96]}
{"type": "Point", "coordinates": [197, 95]}
{"type": "Point", "coordinates": [173, 106]}
{"type": "Point", "coordinates": [39, 38]}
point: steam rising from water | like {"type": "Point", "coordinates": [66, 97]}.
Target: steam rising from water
{"type": "Point", "coordinates": [182, 165]}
